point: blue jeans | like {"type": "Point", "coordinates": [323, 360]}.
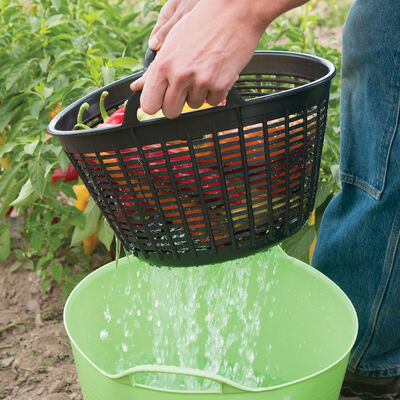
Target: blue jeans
{"type": "Point", "coordinates": [358, 243]}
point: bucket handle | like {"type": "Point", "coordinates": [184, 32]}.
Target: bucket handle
{"type": "Point", "coordinates": [226, 385]}
{"type": "Point", "coordinates": [233, 99]}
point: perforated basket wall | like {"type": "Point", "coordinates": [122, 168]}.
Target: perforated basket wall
{"type": "Point", "coordinates": [214, 184]}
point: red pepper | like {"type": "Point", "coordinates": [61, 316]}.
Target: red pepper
{"type": "Point", "coordinates": [8, 213]}
{"type": "Point", "coordinates": [68, 175]}
{"type": "Point", "coordinates": [116, 118]}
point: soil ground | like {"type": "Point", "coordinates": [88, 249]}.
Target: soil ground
{"type": "Point", "coordinates": [35, 356]}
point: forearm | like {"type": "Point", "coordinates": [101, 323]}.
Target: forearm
{"type": "Point", "coordinates": [269, 10]}
{"type": "Point", "coordinates": [260, 13]}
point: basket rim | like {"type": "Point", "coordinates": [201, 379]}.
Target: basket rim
{"type": "Point", "coordinates": [266, 98]}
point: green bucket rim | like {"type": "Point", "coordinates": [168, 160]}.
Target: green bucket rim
{"type": "Point", "coordinates": [226, 385]}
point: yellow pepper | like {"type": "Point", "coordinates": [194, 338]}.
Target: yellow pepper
{"type": "Point", "coordinates": [312, 247]}
{"type": "Point", "coordinates": [82, 197]}
{"type": "Point", "coordinates": [81, 201]}
{"type": "Point", "coordinates": [90, 244]}
{"type": "Point", "coordinates": [142, 115]}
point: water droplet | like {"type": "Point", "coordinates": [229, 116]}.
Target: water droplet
{"type": "Point", "coordinates": [103, 334]}
{"type": "Point", "coordinates": [107, 314]}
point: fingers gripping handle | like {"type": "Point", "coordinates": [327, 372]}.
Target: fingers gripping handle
{"type": "Point", "coordinates": [233, 99]}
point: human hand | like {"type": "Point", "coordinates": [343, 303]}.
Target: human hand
{"type": "Point", "coordinates": [170, 14]}
{"type": "Point", "coordinates": [201, 56]}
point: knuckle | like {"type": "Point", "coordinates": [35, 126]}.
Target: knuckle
{"type": "Point", "coordinates": [159, 69]}
{"type": "Point", "coordinates": [183, 76]}
{"type": "Point", "coordinates": [202, 82]}
{"type": "Point", "coordinates": [218, 87]}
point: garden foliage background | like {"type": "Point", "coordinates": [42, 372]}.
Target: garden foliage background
{"type": "Point", "coordinates": [54, 52]}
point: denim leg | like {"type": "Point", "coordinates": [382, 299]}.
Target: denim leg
{"type": "Point", "coordinates": [358, 243]}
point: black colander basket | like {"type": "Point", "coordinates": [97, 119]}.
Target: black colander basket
{"type": "Point", "coordinates": [213, 184]}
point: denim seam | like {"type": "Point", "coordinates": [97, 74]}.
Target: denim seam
{"type": "Point", "coordinates": [379, 369]}
{"type": "Point", "coordinates": [373, 191]}
{"type": "Point", "coordinates": [377, 372]}
{"type": "Point", "coordinates": [391, 250]}
{"type": "Point", "coordinates": [396, 111]}
{"type": "Point", "coordinates": [353, 180]}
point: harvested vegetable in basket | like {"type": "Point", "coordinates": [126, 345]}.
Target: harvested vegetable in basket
{"type": "Point", "coordinates": [212, 185]}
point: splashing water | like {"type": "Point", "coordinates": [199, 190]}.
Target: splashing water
{"type": "Point", "coordinates": [206, 318]}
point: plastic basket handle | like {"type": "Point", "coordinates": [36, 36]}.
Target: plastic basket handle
{"type": "Point", "coordinates": [226, 385]}
{"type": "Point", "coordinates": [148, 58]}
{"type": "Point", "coordinates": [233, 99]}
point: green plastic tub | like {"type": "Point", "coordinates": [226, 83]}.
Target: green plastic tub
{"type": "Point", "coordinates": [263, 327]}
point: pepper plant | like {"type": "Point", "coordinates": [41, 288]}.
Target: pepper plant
{"type": "Point", "coordinates": [54, 52]}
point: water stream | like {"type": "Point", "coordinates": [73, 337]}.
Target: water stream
{"type": "Point", "coordinates": [207, 318]}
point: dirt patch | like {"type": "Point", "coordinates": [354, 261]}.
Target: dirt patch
{"type": "Point", "coordinates": [330, 37]}
{"type": "Point", "coordinates": [35, 356]}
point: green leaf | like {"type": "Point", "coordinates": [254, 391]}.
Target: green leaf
{"type": "Point", "coordinates": [47, 92]}
{"type": "Point", "coordinates": [37, 176]}
{"type": "Point", "coordinates": [55, 20]}
{"type": "Point", "coordinates": [16, 73]}
{"type": "Point", "coordinates": [5, 241]}
{"type": "Point", "coordinates": [324, 190]}
{"type": "Point", "coordinates": [36, 106]}
{"type": "Point", "coordinates": [16, 266]}
{"type": "Point", "coordinates": [126, 62]}
{"type": "Point", "coordinates": [26, 196]}
{"type": "Point", "coordinates": [108, 75]}
{"type": "Point", "coordinates": [7, 148]}
{"type": "Point", "coordinates": [5, 116]}
{"type": "Point", "coordinates": [105, 233]}
{"type": "Point", "coordinates": [118, 246]}
{"type": "Point", "coordinates": [30, 148]}
{"type": "Point", "coordinates": [56, 272]}
{"type": "Point", "coordinates": [44, 63]}
{"type": "Point", "coordinates": [78, 219]}
{"type": "Point", "coordinates": [298, 245]}
{"type": "Point", "coordinates": [80, 43]}
{"type": "Point", "coordinates": [45, 285]}
{"type": "Point", "coordinates": [63, 159]}
{"type": "Point", "coordinates": [7, 177]}
{"type": "Point", "coordinates": [149, 6]}
{"type": "Point", "coordinates": [92, 215]}
{"type": "Point", "coordinates": [56, 4]}
{"type": "Point", "coordinates": [335, 173]}
{"type": "Point", "coordinates": [37, 237]}
{"type": "Point", "coordinates": [44, 260]}
{"type": "Point", "coordinates": [11, 194]}
{"type": "Point", "coordinates": [128, 18]}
